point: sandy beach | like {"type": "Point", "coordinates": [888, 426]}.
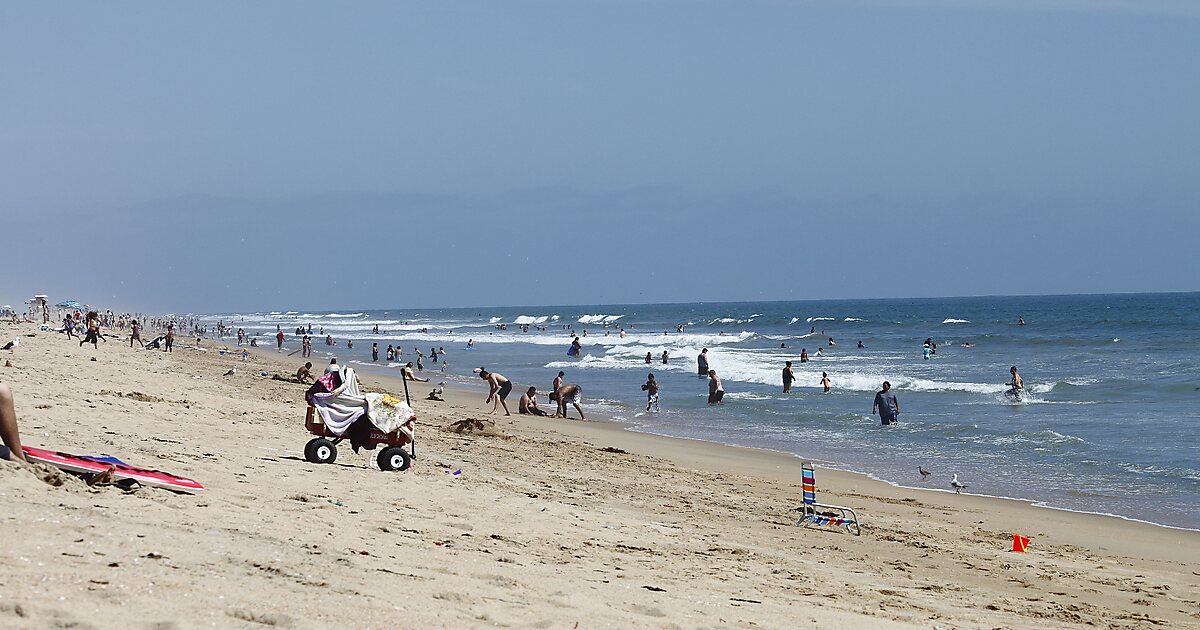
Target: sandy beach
{"type": "Point", "coordinates": [550, 523]}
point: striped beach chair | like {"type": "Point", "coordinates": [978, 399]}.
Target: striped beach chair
{"type": "Point", "coordinates": [820, 514]}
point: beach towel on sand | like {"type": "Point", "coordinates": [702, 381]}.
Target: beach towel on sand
{"type": "Point", "coordinates": [344, 405]}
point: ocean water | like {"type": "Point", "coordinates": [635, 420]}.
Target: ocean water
{"type": "Point", "coordinates": [1108, 424]}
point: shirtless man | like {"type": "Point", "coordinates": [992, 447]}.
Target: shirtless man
{"type": "Point", "coordinates": [788, 377]}
{"type": "Point", "coordinates": [304, 374]}
{"type": "Point", "coordinates": [568, 394]}
{"type": "Point", "coordinates": [498, 390]}
{"type": "Point", "coordinates": [528, 404]}
{"type": "Point", "coordinates": [1017, 384]}
{"type": "Point", "coordinates": [651, 389]}
{"type": "Point", "coordinates": [825, 381]}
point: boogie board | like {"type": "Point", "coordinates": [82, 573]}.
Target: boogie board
{"type": "Point", "coordinates": [82, 464]}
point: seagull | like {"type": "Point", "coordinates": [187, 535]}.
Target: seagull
{"type": "Point", "coordinates": [924, 473]}
{"type": "Point", "coordinates": [231, 372]}
{"type": "Point", "coordinates": [958, 485]}
{"type": "Point", "coordinates": [12, 345]}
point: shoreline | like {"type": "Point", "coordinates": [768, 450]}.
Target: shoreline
{"type": "Point", "coordinates": [546, 523]}
{"type": "Point", "coordinates": [464, 389]}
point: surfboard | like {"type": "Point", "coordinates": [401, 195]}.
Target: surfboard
{"type": "Point", "coordinates": [121, 470]}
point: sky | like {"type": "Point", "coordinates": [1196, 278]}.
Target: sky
{"type": "Point", "coordinates": [230, 156]}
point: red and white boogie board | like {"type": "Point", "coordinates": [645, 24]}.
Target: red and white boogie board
{"type": "Point", "coordinates": [120, 470]}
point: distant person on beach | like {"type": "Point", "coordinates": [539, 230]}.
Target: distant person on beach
{"type": "Point", "coordinates": [498, 390]}
{"type": "Point", "coordinates": [825, 381]}
{"type": "Point", "coordinates": [135, 333]}
{"type": "Point", "coordinates": [69, 327]}
{"type": "Point", "coordinates": [304, 374]}
{"type": "Point", "coordinates": [886, 405]}
{"type": "Point", "coordinates": [651, 389]}
{"type": "Point", "coordinates": [93, 330]}
{"type": "Point", "coordinates": [374, 351]}
{"type": "Point", "coordinates": [9, 433]}
{"type": "Point", "coordinates": [409, 376]}
{"type": "Point", "coordinates": [1017, 384]}
{"type": "Point", "coordinates": [528, 404]}
{"type": "Point", "coordinates": [279, 341]}
{"type": "Point", "coordinates": [702, 364]}
{"type": "Point", "coordinates": [788, 377]}
{"type": "Point", "coordinates": [568, 394]}
{"type": "Point", "coordinates": [715, 390]}
{"type": "Point", "coordinates": [169, 340]}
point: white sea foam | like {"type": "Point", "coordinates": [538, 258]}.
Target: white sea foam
{"type": "Point", "coordinates": [494, 320]}
{"type": "Point", "coordinates": [598, 319]}
{"type": "Point", "coordinates": [530, 320]}
{"type": "Point", "coordinates": [794, 320]}
{"type": "Point", "coordinates": [821, 319]}
{"type": "Point", "coordinates": [853, 319]}
{"type": "Point", "coordinates": [951, 320]}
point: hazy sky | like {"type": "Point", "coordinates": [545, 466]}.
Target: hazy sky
{"type": "Point", "coordinates": [273, 155]}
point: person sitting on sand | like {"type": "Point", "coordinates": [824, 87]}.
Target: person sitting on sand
{"type": "Point", "coordinates": [498, 389]}
{"type": "Point", "coordinates": [409, 376]}
{"type": "Point", "coordinates": [568, 394]}
{"type": "Point", "coordinates": [528, 404]}
{"type": "Point", "coordinates": [304, 374]}
{"type": "Point", "coordinates": [333, 366]}
{"type": "Point", "coordinates": [8, 425]}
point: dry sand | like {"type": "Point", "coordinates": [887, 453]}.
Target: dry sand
{"type": "Point", "coordinates": [551, 523]}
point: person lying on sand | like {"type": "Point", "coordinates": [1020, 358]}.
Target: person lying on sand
{"type": "Point", "coordinates": [8, 425]}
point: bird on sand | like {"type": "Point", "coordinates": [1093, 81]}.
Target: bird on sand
{"type": "Point", "coordinates": [957, 485]}
{"type": "Point", "coordinates": [924, 473]}
{"type": "Point", "coordinates": [12, 345]}
{"type": "Point", "coordinates": [231, 372]}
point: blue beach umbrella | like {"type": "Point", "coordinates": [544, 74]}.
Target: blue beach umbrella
{"type": "Point", "coordinates": [69, 304]}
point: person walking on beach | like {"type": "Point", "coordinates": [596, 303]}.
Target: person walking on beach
{"type": "Point", "coordinates": [279, 341]}
{"type": "Point", "coordinates": [715, 390]}
{"type": "Point", "coordinates": [702, 364]}
{"type": "Point", "coordinates": [498, 390]}
{"type": "Point", "coordinates": [651, 389]}
{"type": "Point", "coordinates": [568, 394]}
{"type": "Point", "coordinates": [135, 333]}
{"type": "Point", "coordinates": [825, 381]}
{"type": "Point", "coordinates": [1017, 384]}
{"type": "Point", "coordinates": [886, 405]}
{"type": "Point", "coordinates": [788, 377]}
{"type": "Point", "coordinates": [169, 343]}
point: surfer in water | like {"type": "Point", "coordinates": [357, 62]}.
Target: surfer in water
{"type": "Point", "coordinates": [1017, 384]}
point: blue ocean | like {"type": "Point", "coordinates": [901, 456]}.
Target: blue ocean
{"type": "Point", "coordinates": [1108, 422]}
